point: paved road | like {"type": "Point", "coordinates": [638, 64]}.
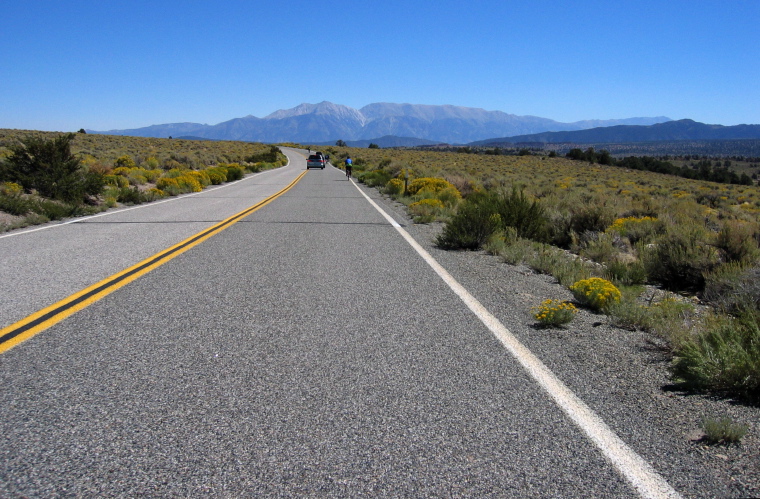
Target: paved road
{"type": "Point", "coordinates": [306, 350]}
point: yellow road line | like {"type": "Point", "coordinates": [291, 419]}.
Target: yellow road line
{"type": "Point", "coordinates": [24, 329]}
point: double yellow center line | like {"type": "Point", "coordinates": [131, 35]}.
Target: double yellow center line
{"type": "Point", "coordinates": [39, 321]}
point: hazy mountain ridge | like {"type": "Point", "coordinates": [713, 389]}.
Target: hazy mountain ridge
{"type": "Point", "coordinates": [669, 131]}
{"type": "Point", "coordinates": [326, 121]}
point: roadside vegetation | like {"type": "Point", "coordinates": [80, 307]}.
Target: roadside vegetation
{"type": "Point", "coordinates": [676, 257]}
{"type": "Point", "coordinates": [48, 176]}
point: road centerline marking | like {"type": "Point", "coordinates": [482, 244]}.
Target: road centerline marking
{"type": "Point", "coordinates": [37, 322]}
{"type": "Point", "coordinates": [639, 473]}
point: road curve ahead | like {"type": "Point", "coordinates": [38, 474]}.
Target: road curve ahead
{"type": "Point", "coordinates": [307, 349]}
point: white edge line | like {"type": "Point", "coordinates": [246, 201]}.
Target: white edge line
{"type": "Point", "coordinates": [633, 467]}
{"type": "Point", "coordinates": [145, 205]}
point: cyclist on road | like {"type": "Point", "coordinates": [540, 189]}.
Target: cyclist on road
{"type": "Point", "coordinates": [349, 167]}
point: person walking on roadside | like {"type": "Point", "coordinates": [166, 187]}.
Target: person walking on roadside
{"type": "Point", "coordinates": [349, 167]}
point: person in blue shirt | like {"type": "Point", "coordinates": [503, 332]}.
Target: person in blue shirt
{"type": "Point", "coordinates": [349, 167]}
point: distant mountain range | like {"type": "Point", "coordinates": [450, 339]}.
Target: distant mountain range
{"type": "Point", "coordinates": [385, 124]}
{"type": "Point", "coordinates": [669, 131]}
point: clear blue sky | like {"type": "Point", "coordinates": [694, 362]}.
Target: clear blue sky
{"type": "Point", "coordinates": [118, 64]}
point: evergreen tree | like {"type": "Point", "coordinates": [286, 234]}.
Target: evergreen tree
{"type": "Point", "coordinates": [48, 167]}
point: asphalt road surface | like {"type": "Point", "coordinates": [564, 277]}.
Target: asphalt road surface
{"type": "Point", "coordinates": [307, 349]}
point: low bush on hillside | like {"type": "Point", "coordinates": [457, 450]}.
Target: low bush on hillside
{"type": "Point", "coordinates": [733, 288]}
{"type": "Point", "coordinates": [724, 357]}
{"type": "Point", "coordinates": [50, 169]}
{"type": "Point", "coordinates": [375, 178]}
{"type": "Point", "coordinates": [680, 259]}
{"type": "Point", "coordinates": [723, 431]}
{"type": "Point", "coordinates": [482, 213]}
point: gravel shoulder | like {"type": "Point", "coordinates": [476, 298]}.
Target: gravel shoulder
{"type": "Point", "coordinates": [622, 375]}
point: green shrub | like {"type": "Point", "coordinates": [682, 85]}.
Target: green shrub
{"type": "Point", "coordinates": [394, 187]}
{"type": "Point", "coordinates": [217, 174]}
{"type": "Point", "coordinates": [470, 227]}
{"type": "Point", "coordinates": [599, 294]}
{"type": "Point", "coordinates": [565, 268]}
{"type": "Point", "coordinates": [517, 252]}
{"type": "Point", "coordinates": [499, 242]}
{"type": "Point", "coordinates": [482, 213]}
{"type": "Point", "coordinates": [737, 242]}
{"type": "Point", "coordinates": [116, 180]}
{"type": "Point", "coordinates": [528, 217]}
{"type": "Point", "coordinates": [723, 358]}
{"type": "Point", "coordinates": [626, 273]}
{"type": "Point", "coordinates": [130, 195]}
{"type": "Point", "coordinates": [15, 204]}
{"type": "Point", "coordinates": [426, 210]}
{"type": "Point", "coordinates": [152, 163]}
{"type": "Point", "coordinates": [679, 260]}
{"type": "Point", "coordinates": [671, 319]}
{"type": "Point", "coordinates": [590, 218]}
{"type": "Point", "coordinates": [375, 178]}
{"type": "Point", "coordinates": [56, 210]}
{"type": "Point", "coordinates": [599, 247]}
{"type": "Point", "coordinates": [733, 287]}
{"type": "Point", "coordinates": [628, 314]}
{"type": "Point", "coordinates": [558, 229]}
{"type": "Point", "coordinates": [271, 156]}
{"type": "Point", "coordinates": [234, 172]}
{"type": "Point", "coordinates": [136, 178]}
{"type": "Point", "coordinates": [49, 167]}
{"type": "Point", "coordinates": [722, 431]}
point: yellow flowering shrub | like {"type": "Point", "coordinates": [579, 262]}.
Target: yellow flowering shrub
{"type": "Point", "coordinates": [136, 177]}
{"type": "Point", "coordinates": [394, 187]}
{"type": "Point", "coordinates": [121, 170]}
{"type": "Point", "coordinates": [124, 161]}
{"type": "Point", "coordinates": [637, 228]}
{"type": "Point", "coordinates": [166, 183]}
{"type": "Point", "coordinates": [188, 183]}
{"type": "Point", "coordinates": [217, 174]}
{"type": "Point", "coordinates": [554, 312]}
{"type": "Point", "coordinates": [152, 175]}
{"type": "Point", "coordinates": [11, 189]}
{"type": "Point", "coordinates": [116, 180]}
{"type": "Point", "coordinates": [156, 193]}
{"type": "Point", "coordinates": [450, 196]}
{"type": "Point", "coordinates": [597, 293]}
{"type": "Point", "coordinates": [425, 210]}
{"type": "Point", "coordinates": [429, 184]}
{"type": "Point", "coordinates": [201, 176]}
{"type": "Point", "coordinates": [432, 202]}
